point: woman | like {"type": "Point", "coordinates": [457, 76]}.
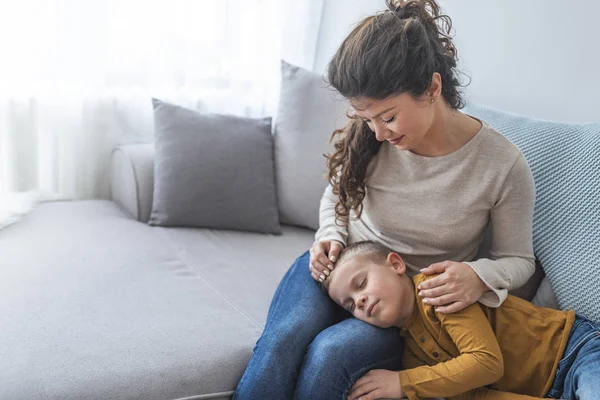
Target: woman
{"type": "Point", "coordinates": [414, 173]}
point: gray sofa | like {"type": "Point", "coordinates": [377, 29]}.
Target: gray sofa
{"type": "Point", "coordinates": [95, 303]}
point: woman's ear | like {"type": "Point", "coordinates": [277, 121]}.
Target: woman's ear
{"type": "Point", "coordinates": [435, 88]}
{"type": "Point", "coordinates": [397, 263]}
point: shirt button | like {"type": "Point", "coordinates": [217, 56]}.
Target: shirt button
{"type": "Point", "coordinates": [422, 340]}
{"type": "Point", "coordinates": [435, 354]}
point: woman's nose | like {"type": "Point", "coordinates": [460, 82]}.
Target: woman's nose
{"type": "Point", "coordinates": [381, 132]}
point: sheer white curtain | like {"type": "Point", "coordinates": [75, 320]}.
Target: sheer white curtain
{"type": "Point", "coordinates": [77, 76]}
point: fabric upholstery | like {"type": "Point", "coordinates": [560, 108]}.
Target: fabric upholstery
{"type": "Point", "coordinates": [565, 162]}
{"type": "Point", "coordinates": [545, 297]}
{"type": "Point", "coordinates": [94, 304]}
{"type": "Point", "coordinates": [132, 179]}
{"type": "Point", "coordinates": [213, 171]}
{"type": "Point", "coordinates": [244, 267]}
{"type": "Point", "coordinates": [308, 114]}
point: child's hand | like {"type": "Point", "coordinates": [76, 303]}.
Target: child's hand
{"type": "Point", "coordinates": [377, 384]}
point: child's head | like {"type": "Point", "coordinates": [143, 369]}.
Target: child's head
{"type": "Point", "coordinates": [370, 281]}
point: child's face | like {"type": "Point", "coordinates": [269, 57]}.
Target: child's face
{"type": "Point", "coordinates": [378, 294]}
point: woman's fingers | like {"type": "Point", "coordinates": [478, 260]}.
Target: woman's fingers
{"type": "Point", "coordinates": [321, 255]}
{"type": "Point", "coordinates": [335, 248]}
{"type": "Point", "coordinates": [322, 258]}
{"type": "Point", "coordinates": [436, 268]}
{"type": "Point", "coordinates": [441, 300]}
{"type": "Point", "coordinates": [436, 291]}
{"type": "Point", "coordinates": [317, 268]}
{"type": "Point", "coordinates": [439, 280]}
{"type": "Point", "coordinates": [322, 269]}
{"type": "Point", "coordinates": [318, 272]}
{"type": "Point", "coordinates": [452, 308]}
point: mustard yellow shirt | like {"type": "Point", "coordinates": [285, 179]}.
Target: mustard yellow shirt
{"type": "Point", "coordinates": [482, 352]}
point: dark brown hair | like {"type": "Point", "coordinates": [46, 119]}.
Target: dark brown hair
{"type": "Point", "coordinates": [392, 52]}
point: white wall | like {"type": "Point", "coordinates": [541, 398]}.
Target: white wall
{"type": "Point", "coordinates": [535, 57]}
{"type": "Point", "coordinates": [337, 20]}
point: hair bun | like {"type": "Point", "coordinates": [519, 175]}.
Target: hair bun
{"type": "Point", "coordinates": [396, 7]}
{"type": "Point", "coordinates": [424, 10]}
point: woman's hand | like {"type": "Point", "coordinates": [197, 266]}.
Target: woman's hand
{"type": "Point", "coordinates": [377, 384]}
{"type": "Point", "coordinates": [457, 287]}
{"type": "Point", "coordinates": [323, 255]}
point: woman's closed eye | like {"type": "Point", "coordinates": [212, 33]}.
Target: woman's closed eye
{"type": "Point", "coordinates": [385, 121]}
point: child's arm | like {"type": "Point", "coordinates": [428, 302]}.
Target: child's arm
{"type": "Point", "coordinates": [490, 394]}
{"type": "Point", "coordinates": [410, 359]}
{"type": "Point", "coordinates": [479, 364]}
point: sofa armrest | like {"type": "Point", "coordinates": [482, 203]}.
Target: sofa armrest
{"type": "Point", "coordinates": [132, 179]}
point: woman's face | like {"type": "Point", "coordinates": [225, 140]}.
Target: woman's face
{"type": "Point", "coordinates": [402, 120]}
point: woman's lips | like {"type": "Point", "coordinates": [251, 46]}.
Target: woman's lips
{"type": "Point", "coordinates": [396, 141]}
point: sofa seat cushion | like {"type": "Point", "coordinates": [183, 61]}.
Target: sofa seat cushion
{"type": "Point", "coordinates": [95, 304]}
{"type": "Point", "coordinates": [243, 267]}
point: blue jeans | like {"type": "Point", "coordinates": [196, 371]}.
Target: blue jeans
{"type": "Point", "coordinates": [311, 348]}
{"type": "Point", "coordinates": [578, 373]}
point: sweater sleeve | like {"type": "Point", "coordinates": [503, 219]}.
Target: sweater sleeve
{"type": "Point", "coordinates": [480, 361]}
{"type": "Point", "coordinates": [512, 260]}
{"type": "Point", "coordinates": [328, 229]}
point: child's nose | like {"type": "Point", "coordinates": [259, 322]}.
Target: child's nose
{"type": "Point", "coordinates": [362, 301]}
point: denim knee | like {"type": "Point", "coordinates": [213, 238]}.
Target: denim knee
{"type": "Point", "coordinates": [282, 340]}
{"type": "Point", "coordinates": [326, 352]}
{"type": "Point", "coordinates": [342, 353]}
{"type": "Point", "coordinates": [324, 372]}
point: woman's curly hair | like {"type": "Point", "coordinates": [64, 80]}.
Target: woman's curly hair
{"type": "Point", "coordinates": [392, 52]}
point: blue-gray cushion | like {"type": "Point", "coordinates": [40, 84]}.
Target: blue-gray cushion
{"type": "Point", "coordinates": [565, 162]}
{"type": "Point", "coordinates": [213, 171]}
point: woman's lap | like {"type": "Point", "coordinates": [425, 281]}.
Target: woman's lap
{"type": "Point", "coordinates": [344, 352]}
{"type": "Point", "coordinates": [306, 330]}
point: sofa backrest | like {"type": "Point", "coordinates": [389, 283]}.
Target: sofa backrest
{"type": "Point", "coordinates": [308, 113]}
{"type": "Point", "coordinates": [565, 162]}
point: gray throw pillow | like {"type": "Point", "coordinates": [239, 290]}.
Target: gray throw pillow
{"type": "Point", "coordinates": [213, 171]}
{"type": "Point", "coordinates": [309, 111]}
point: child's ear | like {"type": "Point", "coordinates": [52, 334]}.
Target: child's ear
{"type": "Point", "coordinates": [397, 263]}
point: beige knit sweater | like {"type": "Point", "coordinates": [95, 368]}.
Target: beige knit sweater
{"type": "Point", "coordinates": [432, 209]}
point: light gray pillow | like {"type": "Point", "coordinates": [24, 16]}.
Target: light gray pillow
{"type": "Point", "coordinates": [309, 111]}
{"type": "Point", "coordinates": [213, 171]}
{"type": "Point", "coordinates": [545, 297]}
